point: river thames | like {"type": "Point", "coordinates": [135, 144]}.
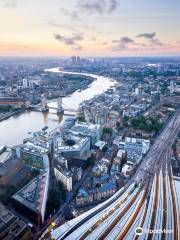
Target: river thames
{"type": "Point", "coordinates": [16, 128]}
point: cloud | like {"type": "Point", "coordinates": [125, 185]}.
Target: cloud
{"type": "Point", "coordinates": [151, 37]}
{"type": "Point", "coordinates": [72, 14]}
{"type": "Point", "coordinates": [91, 7]}
{"type": "Point", "coordinates": [113, 4]}
{"type": "Point", "coordinates": [72, 41]}
{"type": "Point", "coordinates": [10, 4]}
{"type": "Point", "coordinates": [94, 6]}
{"type": "Point", "coordinates": [157, 42]}
{"type": "Point", "coordinates": [123, 43]}
{"type": "Point", "coordinates": [125, 40]}
{"type": "Point", "coordinates": [150, 43]}
{"type": "Point", "coordinates": [97, 6]}
{"type": "Point", "coordinates": [147, 35]}
{"type": "Point", "coordinates": [76, 37]}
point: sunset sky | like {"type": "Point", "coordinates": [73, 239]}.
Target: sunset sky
{"type": "Point", "coordinates": [90, 27]}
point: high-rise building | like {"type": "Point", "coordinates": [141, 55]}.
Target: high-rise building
{"type": "Point", "coordinates": [71, 145]}
{"type": "Point", "coordinates": [34, 156]}
{"type": "Point", "coordinates": [172, 87]}
{"type": "Point", "coordinates": [73, 59]}
{"type": "Point", "coordinates": [177, 73]}
{"type": "Point", "coordinates": [63, 175]}
{"type": "Point", "coordinates": [94, 131]}
{"type": "Point", "coordinates": [25, 83]}
{"type": "Point", "coordinates": [31, 200]}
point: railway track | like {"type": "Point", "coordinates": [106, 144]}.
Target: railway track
{"type": "Point", "coordinates": [140, 216]}
{"type": "Point", "coordinates": [152, 163]}
{"type": "Point", "coordinates": [118, 218]}
{"type": "Point", "coordinates": [175, 208]}
{"type": "Point", "coordinates": [164, 220]}
{"type": "Point", "coordinates": [109, 212]}
{"type": "Point", "coordinates": [132, 218]}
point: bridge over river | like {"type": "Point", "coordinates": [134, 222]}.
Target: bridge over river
{"type": "Point", "coordinates": [60, 107]}
{"type": "Point", "coordinates": [16, 128]}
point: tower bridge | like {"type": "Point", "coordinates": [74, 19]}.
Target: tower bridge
{"type": "Point", "coordinates": [61, 108]}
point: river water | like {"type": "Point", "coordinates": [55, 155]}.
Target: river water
{"type": "Point", "coordinates": [16, 128]}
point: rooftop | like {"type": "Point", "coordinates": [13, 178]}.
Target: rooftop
{"type": "Point", "coordinates": [11, 99]}
{"type": "Point", "coordinates": [75, 142]}
{"type": "Point", "coordinates": [10, 225]}
{"type": "Point", "coordinates": [63, 170]}
{"type": "Point", "coordinates": [100, 144]}
{"type": "Point", "coordinates": [31, 195]}
{"type": "Point", "coordinates": [136, 140]}
{"type": "Point", "coordinates": [85, 128]}
{"type": "Point", "coordinates": [108, 186]}
{"type": "Point", "coordinates": [31, 148]}
{"type": "Point", "coordinates": [39, 143]}
{"type": "Point", "coordinates": [5, 156]}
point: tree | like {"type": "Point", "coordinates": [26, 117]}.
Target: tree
{"type": "Point", "coordinates": [174, 147]}
{"type": "Point", "coordinates": [118, 124]}
{"type": "Point", "coordinates": [54, 201]}
{"type": "Point", "coordinates": [107, 130]}
{"type": "Point", "coordinates": [105, 148]}
{"type": "Point", "coordinates": [126, 118]}
{"type": "Point", "coordinates": [126, 121]}
{"type": "Point", "coordinates": [90, 162]}
{"type": "Point", "coordinates": [81, 119]}
{"type": "Point", "coordinates": [6, 197]}
{"type": "Point", "coordinates": [149, 125]}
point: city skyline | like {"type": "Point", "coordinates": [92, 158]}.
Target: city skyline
{"type": "Point", "coordinates": [89, 28]}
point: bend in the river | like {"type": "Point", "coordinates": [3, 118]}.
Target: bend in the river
{"type": "Point", "coordinates": [16, 128]}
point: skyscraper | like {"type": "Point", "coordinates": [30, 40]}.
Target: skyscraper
{"type": "Point", "coordinates": [172, 87]}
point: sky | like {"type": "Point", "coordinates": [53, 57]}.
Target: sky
{"type": "Point", "coordinates": [99, 28]}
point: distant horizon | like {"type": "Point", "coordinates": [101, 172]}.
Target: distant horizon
{"type": "Point", "coordinates": [104, 57]}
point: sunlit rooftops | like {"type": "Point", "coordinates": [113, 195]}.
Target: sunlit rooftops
{"type": "Point", "coordinates": [28, 147]}
{"type": "Point", "coordinates": [85, 128]}
{"type": "Point", "coordinates": [4, 156]}
{"type": "Point", "coordinates": [64, 171]}
{"type": "Point", "coordinates": [71, 141]}
{"type": "Point", "coordinates": [136, 140]}
{"type": "Point", "coordinates": [40, 143]}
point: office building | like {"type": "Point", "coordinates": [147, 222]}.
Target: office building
{"type": "Point", "coordinates": [94, 131]}
{"type": "Point", "coordinates": [12, 227]}
{"type": "Point", "coordinates": [172, 87]}
{"type": "Point", "coordinates": [31, 200]}
{"type": "Point", "coordinates": [137, 144]}
{"type": "Point", "coordinates": [35, 156]}
{"type": "Point", "coordinates": [71, 145]}
{"type": "Point", "coordinates": [64, 176]}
